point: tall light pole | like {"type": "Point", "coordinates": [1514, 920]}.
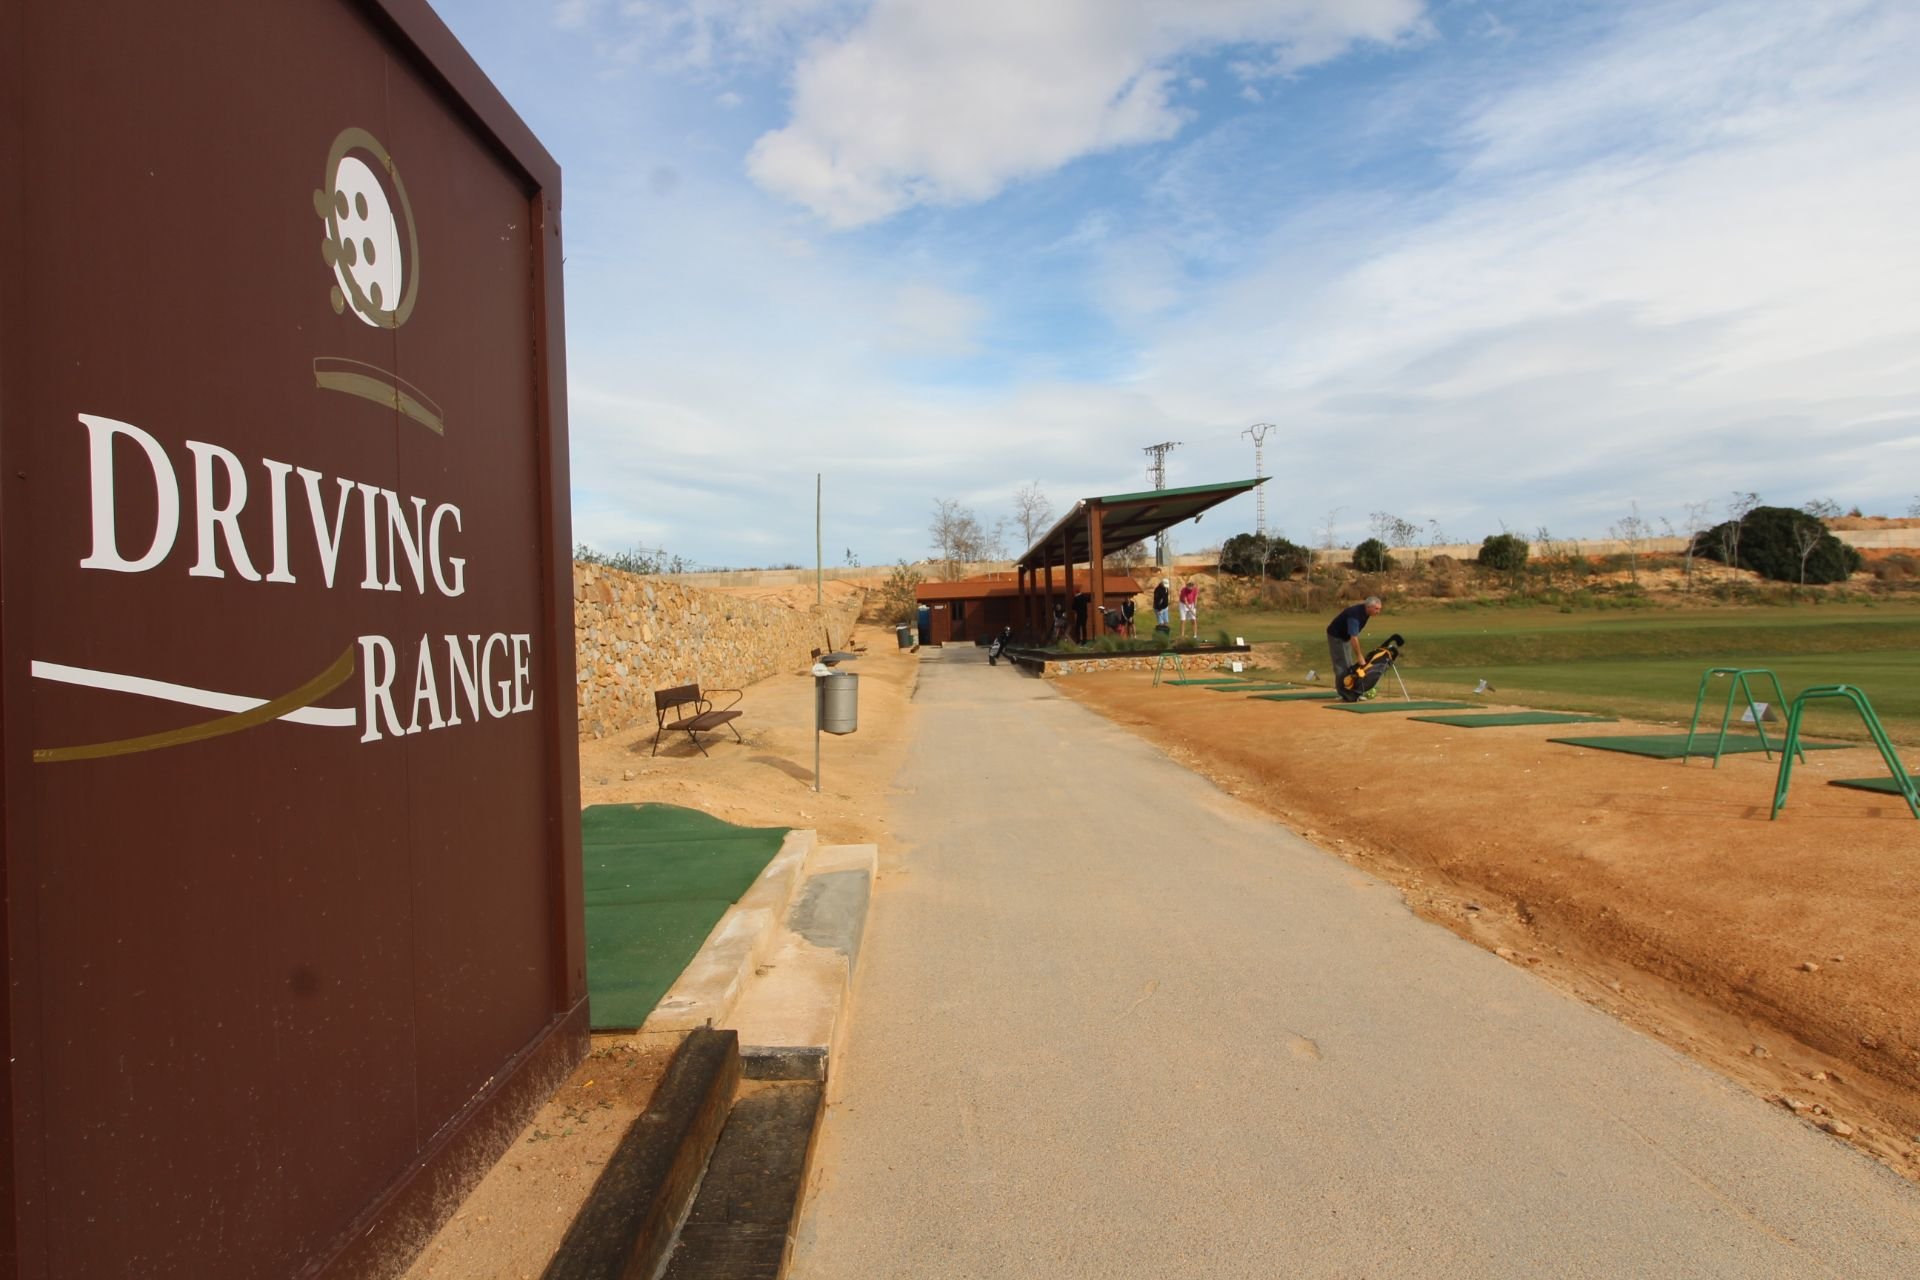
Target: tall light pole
{"type": "Point", "coordinates": [1157, 469]}
{"type": "Point", "coordinates": [1258, 432]}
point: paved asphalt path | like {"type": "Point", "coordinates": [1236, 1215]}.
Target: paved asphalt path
{"type": "Point", "coordinates": [1110, 1022]}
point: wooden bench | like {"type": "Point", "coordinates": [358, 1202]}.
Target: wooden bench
{"type": "Point", "coordinates": [693, 712]}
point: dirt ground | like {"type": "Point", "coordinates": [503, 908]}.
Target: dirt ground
{"type": "Point", "coordinates": [1785, 953]}
{"type": "Point", "coordinates": [516, 1217]}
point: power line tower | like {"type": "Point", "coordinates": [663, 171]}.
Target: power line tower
{"type": "Point", "coordinates": [1157, 469]}
{"type": "Point", "coordinates": [1258, 432]}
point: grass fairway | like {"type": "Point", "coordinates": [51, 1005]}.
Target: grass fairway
{"type": "Point", "coordinates": [1644, 663]}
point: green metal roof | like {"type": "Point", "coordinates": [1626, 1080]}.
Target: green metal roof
{"type": "Point", "coordinates": [1127, 518]}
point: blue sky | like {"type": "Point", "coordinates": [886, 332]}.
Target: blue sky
{"type": "Point", "coordinates": [1480, 264]}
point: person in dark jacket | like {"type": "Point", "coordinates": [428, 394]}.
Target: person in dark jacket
{"type": "Point", "coordinates": [1162, 600]}
{"type": "Point", "coordinates": [1343, 635]}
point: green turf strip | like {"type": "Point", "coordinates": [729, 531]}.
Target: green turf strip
{"type": "Point", "coordinates": [1312, 695]}
{"type": "Point", "coordinates": [656, 879]}
{"type": "Point", "coordinates": [1673, 746]}
{"type": "Point", "coordinates": [1495, 719]}
{"type": "Point", "coordinates": [1207, 680]}
{"type": "Point", "coordinates": [1382, 706]}
{"type": "Point", "coordinates": [1887, 785]}
{"type": "Point", "coordinates": [1251, 687]}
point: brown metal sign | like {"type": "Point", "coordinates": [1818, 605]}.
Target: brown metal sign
{"type": "Point", "coordinates": [291, 850]}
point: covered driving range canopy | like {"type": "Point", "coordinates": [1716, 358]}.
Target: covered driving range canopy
{"type": "Point", "coordinates": [1093, 529]}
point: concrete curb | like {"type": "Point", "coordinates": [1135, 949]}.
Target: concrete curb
{"type": "Point", "coordinates": [630, 1220]}
{"type": "Point", "coordinates": [707, 989]}
{"type": "Point", "coordinates": [792, 1014]}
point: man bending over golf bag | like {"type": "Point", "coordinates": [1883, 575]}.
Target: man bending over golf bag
{"type": "Point", "coordinates": [1357, 682]}
{"type": "Point", "coordinates": [1343, 636]}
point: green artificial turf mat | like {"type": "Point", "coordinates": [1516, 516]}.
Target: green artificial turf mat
{"type": "Point", "coordinates": [1207, 680]}
{"type": "Point", "coordinates": [1251, 687]}
{"type": "Point", "coordinates": [1377, 708]}
{"type": "Point", "coordinates": [1311, 695]}
{"type": "Point", "coordinates": [1673, 746]}
{"type": "Point", "coordinates": [1887, 785]}
{"type": "Point", "coordinates": [656, 878]}
{"type": "Point", "coordinates": [1496, 719]}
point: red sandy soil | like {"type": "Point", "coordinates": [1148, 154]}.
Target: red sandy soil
{"type": "Point", "coordinates": [1784, 953]}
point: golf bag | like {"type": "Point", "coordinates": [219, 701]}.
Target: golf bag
{"type": "Point", "coordinates": [1354, 684]}
{"type": "Point", "coordinates": [998, 646]}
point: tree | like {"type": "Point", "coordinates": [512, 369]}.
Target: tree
{"type": "Point", "coordinates": [1371, 557]}
{"type": "Point", "coordinates": [1696, 522]}
{"type": "Point", "coordinates": [958, 537]}
{"type": "Point", "coordinates": [1729, 533]}
{"type": "Point", "coordinates": [1130, 559]}
{"type": "Point", "coordinates": [1248, 554]}
{"type": "Point", "coordinates": [1503, 552]}
{"type": "Point", "coordinates": [1632, 530]}
{"type": "Point", "coordinates": [1406, 535]}
{"type": "Point", "coordinates": [1822, 509]}
{"type": "Point", "coordinates": [1393, 531]}
{"type": "Point", "coordinates": [898, 601]}
{"type": "Point", "coordinates": [1031, 512]}
{"type": "Point", "coordinates": [1328, 523]}
{"type": "Point", "coordinates": [1772, 546]}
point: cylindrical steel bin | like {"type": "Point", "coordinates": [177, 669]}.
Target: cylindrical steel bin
{"type": "Point", "coordinates": [904, 634]}
{"type": "Point", "coordinates": [836, 702]}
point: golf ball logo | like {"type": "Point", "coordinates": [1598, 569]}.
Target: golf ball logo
{"type": "Point", "coordinates": [371, 243]}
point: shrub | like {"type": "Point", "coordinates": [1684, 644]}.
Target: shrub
{"type": "Point", "coordinates": [1371, 557]}
{"type": "Point", "coordinates": [1771, 542]}
{"type": "Point", "coordinates": [1505, 552]}
{"type": "Point", "coordinates": [897, 600]}
{"type": "Point", "coordinates": [1244, 553]}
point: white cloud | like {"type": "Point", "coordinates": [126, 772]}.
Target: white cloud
{"type": "Point", "coordinates": [934, 102]}
{"type": "Point", "coordinates": [933, 321]}
{"type": "Point", "coordinates": [1717, 296]}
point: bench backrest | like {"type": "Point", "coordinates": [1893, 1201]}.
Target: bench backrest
{"type": "Point", "coordinates": [665, 700]}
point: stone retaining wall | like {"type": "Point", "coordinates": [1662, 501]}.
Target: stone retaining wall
{"type": "Point", "coordinates": [635, 634]}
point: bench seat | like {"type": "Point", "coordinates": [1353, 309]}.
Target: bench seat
{"type": "Point", "coordinates": [693, 713]}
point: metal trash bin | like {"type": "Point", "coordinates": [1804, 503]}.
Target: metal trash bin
{"type": "Point", "coordinates": [836, 702]}
{"type": "Point", "coordinates": [904, 634]}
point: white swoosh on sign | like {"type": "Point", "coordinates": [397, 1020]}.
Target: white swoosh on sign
{"type": "Point", "coordinates": [330, 717]}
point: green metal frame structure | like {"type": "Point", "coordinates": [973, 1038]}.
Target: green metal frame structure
{"type": "Point", "coordinates": [1737, 685]}
{"type": "Point", "coordinates": [1179, 665]}
{"type": "Point", "coordinates": [1901, 777]}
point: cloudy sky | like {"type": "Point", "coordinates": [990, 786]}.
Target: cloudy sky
{"type": "Point", "coordinates": [1479, 263]}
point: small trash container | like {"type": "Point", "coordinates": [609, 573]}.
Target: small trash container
{"type": "Point", "coordinates": [904, 634]}
{"type": "Point", "coordinates": [836, 702]}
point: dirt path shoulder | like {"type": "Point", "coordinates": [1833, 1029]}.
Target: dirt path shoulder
{"type": "Point", "coordinates": [1785, 953]}
{"type": "Point", "coordinates": [509, 1226]}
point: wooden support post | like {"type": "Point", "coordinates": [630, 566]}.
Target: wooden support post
{"type": "Point", "coordinates": [1046, 600]}
{"type": "Point", "coordinates": [1067, 556]}
{"type": "Point", "coordinates": [1096, 572]}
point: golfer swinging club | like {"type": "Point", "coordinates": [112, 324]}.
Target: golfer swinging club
{"type": "Point", "coordinates": [1343, 636]}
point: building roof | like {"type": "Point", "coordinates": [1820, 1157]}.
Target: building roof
{"type": "Point", "coordinates": [1127, 518]}
{"type": "Point", "coordinates": [1005, 585]}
